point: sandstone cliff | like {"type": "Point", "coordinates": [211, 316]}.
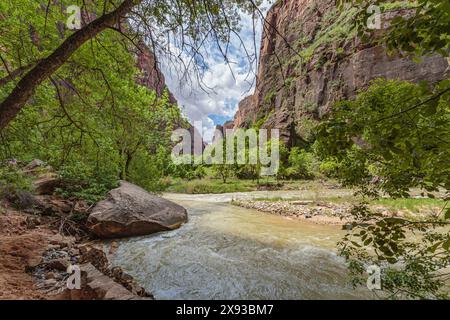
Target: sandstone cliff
{"type": "Point", "coordinates": [151, 76]}
{"type": "Point", "coordinates": [310, 58]}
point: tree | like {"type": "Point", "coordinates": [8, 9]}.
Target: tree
{"type": "Point", "coordinates": [25, 87]}
{"type": "Point", "coordinates": [188, 25]}
{"type": "Point", "coordinates": [301, 164]}
{"type": "Point", "coordinates": [394, 137]}
{"type": "Point", "coordinates": [423, 30]}
{"type": "Point", "coordinates": [220, 164]}
{"type": "Point", "coordinates": [391, 138]}
{"type": "Point", "coordinates": [91, 121]}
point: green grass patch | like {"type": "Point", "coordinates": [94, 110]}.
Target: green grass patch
{"type": "Point", "coordinates": [411, 204]}
{"type": "Point", "coordinates": [210, 185]}
{"type": "Point", "coordinates": [216, 186]}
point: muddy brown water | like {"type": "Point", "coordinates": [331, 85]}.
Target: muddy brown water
{"type": "Point", "coordinates": [228, 252]}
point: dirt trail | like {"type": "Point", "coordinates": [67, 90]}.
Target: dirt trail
{"type": "Point", "coordinates": [20, 248]}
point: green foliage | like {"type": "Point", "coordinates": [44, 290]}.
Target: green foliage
{"type": "Point", "coordinates": [15, 186]}
{"type": "Point", "coordinates": [86, 183]}
{"type": "Point", "coordinates": [424, 31]}
{"type": "Point", "coordinates": [211, 186]}
{"type": "Point", "coordinates": [329, 168]}
{"type": "Point", "coordinates": [413, 256]}
{"type": "Point", "coordinates": [12, 178]}
{"type": "Point", "coordinates": [269, 97]}
{"type": "Point", "coordinates": [92, 112]}
{"type": "Point", "coordinates": [306, 127]}
{"type": "Point", "coordinates": [188, 171]}
{"type": "Point", "coordinates": [302, 164]}
{"type": "Point", "coordinates": [223, 171]}
{"type": "Point", "coordinates": [338, 27]}
{"type": "Point", "coordinates": [393, 137]}
{"type": "Point", "coordinates": [149, 170]}
{"type": "Point", "coordinates": [91, 115]}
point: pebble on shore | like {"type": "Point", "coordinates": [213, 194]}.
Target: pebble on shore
{"type": "Point", "coordinates": [320, 213]}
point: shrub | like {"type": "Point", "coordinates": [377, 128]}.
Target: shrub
{"type": "Point", "coordinates": [86, 183]}
{"type": "Point", "coordinates": [16, 187]}
{"type": "Point", "coordinates": [329, 169]}
{"type": "Point", "coordinates": [303, 165]}
{"type": "Point", "coordinates": [247, 172]}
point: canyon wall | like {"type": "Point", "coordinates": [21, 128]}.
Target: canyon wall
{"type": "Point", "coordinates": [310, 58]}
{"type": "Point", "coordinates": [151, 76]}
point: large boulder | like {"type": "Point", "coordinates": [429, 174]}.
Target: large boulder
{"type": "Point", "coordinates": [131, 211]}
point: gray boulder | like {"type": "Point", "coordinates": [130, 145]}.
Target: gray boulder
{"type": "Point", "coordinates": [131, 211]}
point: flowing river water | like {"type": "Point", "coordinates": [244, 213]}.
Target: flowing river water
{"type": "Point", "coordinates": [228, 252]}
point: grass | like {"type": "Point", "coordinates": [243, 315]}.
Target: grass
{"type": "Point", "coordinates": [413, 205]}
{"type": "Point", "coordinates": [210, 185]}
{"type": "Point", "coordinates": [216, 186]}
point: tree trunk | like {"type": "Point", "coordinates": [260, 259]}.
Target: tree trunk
{"type": "Point", "coordinates": [24, 89]}
{"type": "Point", "coordinates": [127, 165]}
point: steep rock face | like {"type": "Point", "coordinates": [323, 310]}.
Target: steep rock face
{"type": "Point", "coordinates": [310, 58]}
{"type": "Point", "coordinates": [152, 76]}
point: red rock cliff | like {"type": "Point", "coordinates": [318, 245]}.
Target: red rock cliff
{"type": "Point", "coordinates": [310, 58]}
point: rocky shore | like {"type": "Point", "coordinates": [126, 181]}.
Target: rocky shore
{"type": "Point", "coordinates": [43, 236]}
{"type": "Point", "coordinates": [316, 212]}
{"type": "Point", "coordinates": [34, 262]}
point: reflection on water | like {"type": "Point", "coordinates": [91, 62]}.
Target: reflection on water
{"type": "Point", "coordinates": [227, 252]}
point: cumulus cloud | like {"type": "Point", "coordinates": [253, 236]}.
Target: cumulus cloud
{"type": "Point", "coordinates": [215, 97]}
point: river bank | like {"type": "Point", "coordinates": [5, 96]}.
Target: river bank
{"type": "Point", "coordinates": [333, 206]}
{"type": "Point", "coordinates": [230, 252]}
{"type": "Point", "coordinates": [35, 255]}
{"type": "Point", "coordinates": [316, 212]}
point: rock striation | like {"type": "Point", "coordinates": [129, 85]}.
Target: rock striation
{"type": "Point", "coordinates": [310, 58]}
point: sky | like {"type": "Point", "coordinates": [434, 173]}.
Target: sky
{"type": "Point", "coordinates": [225, 85]}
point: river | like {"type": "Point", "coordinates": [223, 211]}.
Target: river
{"type": "Point", "coordinates": [228, 252]}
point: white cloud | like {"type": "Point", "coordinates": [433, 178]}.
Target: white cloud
{"type": "Point", "coordinates": [228, 83]}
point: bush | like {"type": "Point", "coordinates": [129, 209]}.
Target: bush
{"type": "Point", "coordinates": [15, 186]}
{"type": "Point", "coordinates": [86, 183]}
{"type": "Point", "coordinates": [147, 170]}
{"type": "Point", "coordinates": [188, 171]}
{"type": "Point", "coordinates": [303, 165]}
{"type": "Point", "coordinates": [247, 172]}
{"type": "Point", "coordinates": [13, 180]}
{"type": "Point", "coordinates": [329, 169]}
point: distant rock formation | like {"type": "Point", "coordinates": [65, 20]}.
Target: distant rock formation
{"type": "Point", "coordinates": [311, 58]}
{"type": "Point", "coordinates": [152, 78]}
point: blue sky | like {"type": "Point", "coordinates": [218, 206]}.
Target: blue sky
{"type": "Point", "coordinates": [227, 87]}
